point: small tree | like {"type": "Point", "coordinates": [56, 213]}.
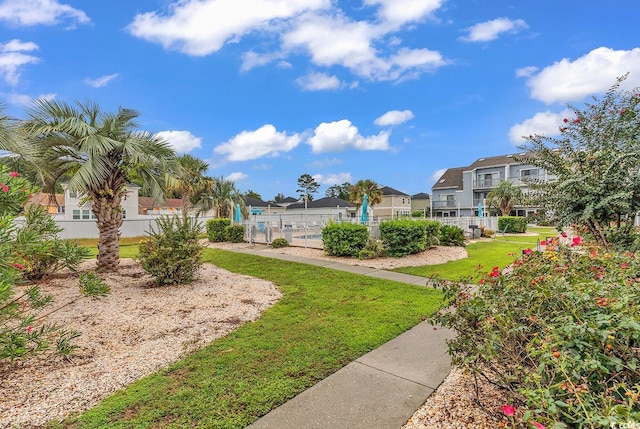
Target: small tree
{"type": "Point", "coordinates": [594, 165]}
{"type": "Point", "coordinates": [339, 191]}
{"type": "Point", "coordinates": [504, 197]}
{"type": "Point", "coordinates": [307, 186]}
{"type": "Point", "coordinates": [366, 186]}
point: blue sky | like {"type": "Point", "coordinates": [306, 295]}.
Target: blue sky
{"type": "Point", "coordinates": [267, 90]}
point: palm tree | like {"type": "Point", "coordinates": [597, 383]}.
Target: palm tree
{"type": "Point", "coordinates": [366, 186]}
{"type": "Point", "coordinates": [189, 180]}
{"type": "Point", "coordinates": [100, 152]}
{"type": "Point", "coordinates": [222, 198]}
{"type": "Point", "coordinates": [504, 197]}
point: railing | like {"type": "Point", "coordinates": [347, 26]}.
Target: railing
{"type": "Point", "coordinates": [444, 204]}
{"type": "Point", "coordinates": [520, 181]}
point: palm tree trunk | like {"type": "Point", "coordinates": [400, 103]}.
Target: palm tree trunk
{"type": "Point", "coordinates": [109, 219]}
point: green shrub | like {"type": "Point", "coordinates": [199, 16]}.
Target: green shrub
{"type": "Point", "coordinates": [90, 284]}
{"type": "Point", "coordinates": [403, 237]}
{"type": "Point", "coordinates": [344, 239]}
{"type": "Point", "coordinates": [216, 229]}
{"type": "Point", "coordinates": [418, 213]}
{"type": "Point", "coordinates": [451, 236]}
{"type": "Point", "coordinates": [39, 250]}
{"type": "Point", "coordinates": [234, 233]}
{"type": "Point", "coordinates": [172, 254]}
{"type": "Point", "coordinates": [623, 238]}
{"type": "Point", "coordinates": [515, 224]}
{"type": "Point", "coordinates": [374, 249]}
{"type": "Point", "coordinates": [279, 242]}
{"type": "Point", "coordinates": [560, 332]}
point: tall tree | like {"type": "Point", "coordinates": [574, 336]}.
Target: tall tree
{"type": "Point", "coordinates": [365, 186]}
{"type": "Point", "coordinates": [504, 197]}
{"type": "Point", "coordinates": [307, 186]}
{"type": "Point", "coordinates": [252, 194]}
{"type": "Point", "coordinates": [188, 179]}
{"type": "Point", "coordinates": [593, 165]}
{"type": "Point", "coordinates": [279, 198]}
{"type": "Point", "coordinates": [339, 191]}
{"type": "Point", "coordinates": [100, 152]}
{"type": "Point", "coordinates": [222, 198]}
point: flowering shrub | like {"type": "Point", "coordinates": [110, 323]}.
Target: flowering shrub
{"type": "Point", "coordinates": [559, 331]}
{"type": "Point", "coordinates": [173, 253]}
{"type": "Point", "coordinates": [21, 333]}
{"type": "Point", "coordinates": [39, 251]}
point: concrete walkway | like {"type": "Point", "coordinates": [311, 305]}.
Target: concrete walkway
{"type": "Point", "coordinates": [381, 389]}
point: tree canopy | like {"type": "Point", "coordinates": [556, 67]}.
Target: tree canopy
{"type": "Point", "coordinates": [593, 165]}
{"type": "Point", "coordinates": [307, 186]}
{"type": "Point", "coordinates": [365, 186]}
{"type": "Point", "coordinates": [504, 197]}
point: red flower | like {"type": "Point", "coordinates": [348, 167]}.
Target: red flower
{"type": "Point", "coordinates": [624, 265]}
{"type": "Point", "coordinates": [577, 241]}
{"type": "Point", "coordinates": [564, 234]}
{"type": "Point", "coordinates": [481, 281]}
{"type": "Point", "coordinates": [508, 410]}
{"type": "Point", "coordinates": [495, 272]}
{"type": "Point", "coordinates": [538, 425]}
{"type": "Point", "coordinates": [14, 174]}
{"type": "Point", "coordinates": [18, 266]}
{"type": "Point", "coordinates": [577, 120]}
{"type": "Point", "coordinates": [29, 329]}
{"type": "Point", "coordinates": [527, 251]}
{"type": "Point", "coordinates": [543, 243]}
{"type": "Point", "coordinates": [5, 188]}
{"type": "Point", "coordinates": [565, 120]}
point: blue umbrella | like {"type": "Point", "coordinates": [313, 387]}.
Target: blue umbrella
{"type": "Point", "coordinates": [479, 209]}
{"type": "Point", "coordinates": [238, 217]}
{"type": "Point", "coordinates": [364, 218]}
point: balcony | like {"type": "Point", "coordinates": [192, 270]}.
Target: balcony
{"type": "Point", "coordinates": [519, 181]}
{"type": "Point", "coordinates": [444, 204]}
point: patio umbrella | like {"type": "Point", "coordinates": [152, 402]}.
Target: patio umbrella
{"type": "Point", "coordinates": [238, 216]}
{"type": "Point", "coordinates": [479, 209]}
{"type": "Point", "coordinates": [364, 218]}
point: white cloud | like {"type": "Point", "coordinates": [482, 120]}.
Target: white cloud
{"type": "Point", "coordinates": [324, 163]}
{"type": "Point", "coordinates": [341, 135]}
{"type": "Point", "coordinates": [437, 175]}
{"type": "Point", "coordinates": [13, 57]}
{"type": "Point", "coordinates": [526, 71]}
{"type": "Point", "coordinates": [339, 41]}
{"type": "Point", "coordinates": [25, 100]}
{"type": "Point", "coordinates": [394, 117]}
{"type": "Point", "coordinates": [543, 123]}
{"type": "Point", "coordinates": [490, 30]}
{"type": "Point", "coordinates": [101, 81]}
{"type": "Point", "coordinates": [318, 82]}
{"type": "Point", "coordinates": [201, 27]}
{"type": "Point", "coordinates": [264, 141]}
{"type": "Point", "coordinates": [35, 12]}
{"type": "Point", "coordinates": [333, 179]}
{"type": "Point", "coordinates": [591, 74]}
{"type": "Point", "coordinates": [317, 28]}
{"type": "Point", "coordinates": [403, 11]}
{"type": "Point", "coordinates": [236, 176]}
{"type": "Point", "coordinates": [181, 141]}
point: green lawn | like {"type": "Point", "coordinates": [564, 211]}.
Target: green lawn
{"type": "Point", "coordinates": [500, 251]}
{"type": "Point", "coordinates": [324, 320]}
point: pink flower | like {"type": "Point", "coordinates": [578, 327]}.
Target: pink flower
{"type": "Point", "coordinates": [5, 188]}
{"type": "Point", "coordinates": [18, 266]}
{"type": "Point", "coordinates": [577, 120]}
{"type": "Point", "coordinates": [14, 174]}
{"type": "Point", "coordinates": [508, 410]}
{"type": "Point", "coordinates": [565, 120]}
{"type": "Point", "coordinates": [577, 241]}
{"type": "Point", "coordinates": [538, 425]}
{"type": "Point", "coordinates": [29, 329]}
{"type": "Point", "coordinates": [564, 234]}
{"type": "Point", "coordinates": [527, 251]}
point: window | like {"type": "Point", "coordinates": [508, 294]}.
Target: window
{"type": "Point", "coordinates": [487, 179]}
{"type": "Point", "coordinates": [124, 214]}
{"type": "Point", "coordinates": [529, 173]}
{"type": "Point", "coordinates": [450, 199]}
{"type": "Point", "coordinates": [86, 214]}
{"type": "Point", "coordinates": [76, 214]}
{"type": "Point", "coordinates": [73, 194]}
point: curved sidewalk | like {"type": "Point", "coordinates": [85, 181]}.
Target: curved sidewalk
{"type": "Point", "coordinates": [379, 390]}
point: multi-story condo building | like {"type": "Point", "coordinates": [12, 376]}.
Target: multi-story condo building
{"type": "Point", "coordinates": [462, 191]}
